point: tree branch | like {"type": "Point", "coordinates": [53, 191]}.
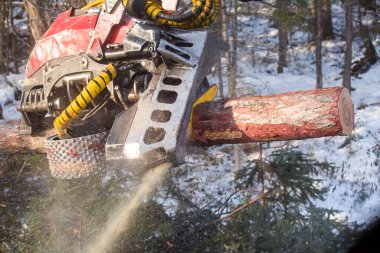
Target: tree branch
{"type": "Point", "coordinates": [259, 197]}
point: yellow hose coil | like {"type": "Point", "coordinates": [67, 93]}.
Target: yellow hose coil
{"type": "Point", "coordinates": [205, 17]}
{"type": "Point", "coordinates": [93, 88]}
{"type": "Point", "coordinates": [93, 4]}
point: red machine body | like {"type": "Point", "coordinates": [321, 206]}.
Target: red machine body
{"type": "Point", "coordinates": [158, 72]}
{"type": "Point", "coordinates": [74, 33]}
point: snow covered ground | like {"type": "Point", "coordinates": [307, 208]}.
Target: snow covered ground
{"type": "Point", "coordinates": [8, 84]}
{"type": "Point", "coordinates": [354, 190]}
{"type": "Point", "coordinates": [208, 175]}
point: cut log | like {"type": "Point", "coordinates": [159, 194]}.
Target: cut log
{"type": "Point", "coordinates": [12, 142]}
{"type": "Point", "coordinates": [289, 116]}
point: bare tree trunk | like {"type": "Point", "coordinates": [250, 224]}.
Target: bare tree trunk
{"type": "Point", "coordinates": [348, 50]}
{"type": "Point", "coordinates": [370, 57]}
{"type": "Point", "coordinates": [6, 33]}
{"type": "Point", "coordinates": [326, 20]}
{"type": "Point", "coordinates": [318, 44]}
{"type": "Point", "coordinates": [2, 30]}
{"type": "Point", "coordinates": [219, 64]}
{"type": "Point", "coordinates": [233, 75]}
{"type": "Point", "coordinates": [225, 38]}
{"type": "Point", "coordinates": [233, 69]}
{"type": "Point", "coordinates": [7, 39]}
{"type": "Point", "coordinates": [38, 15]}
{"type": "Point", "coordinates": [282, 41]}
{"type": "Point", "coordinates": [12, 34]}
{"type": "Point", "coordinates": [220, 77]}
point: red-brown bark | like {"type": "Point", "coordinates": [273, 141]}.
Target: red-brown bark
{"type": "Point", "coordinates": [12, 142]}
{"type": "Point", "coordinates": [289, 116]}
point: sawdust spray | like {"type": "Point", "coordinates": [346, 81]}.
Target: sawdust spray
{"type": "Point", "coordinates": [121, 217]}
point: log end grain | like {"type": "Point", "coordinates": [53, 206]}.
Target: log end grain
{"type": "Point", "coordinates": [346, 112]}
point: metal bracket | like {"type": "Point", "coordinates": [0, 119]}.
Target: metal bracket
{"type": "Point", "coordinates": [157, 133]}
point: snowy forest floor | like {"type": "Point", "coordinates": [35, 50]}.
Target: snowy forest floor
{"type": "Point", "coordinates": [208, 176]}
{"type": "Point", "coordinates": [354, 190]}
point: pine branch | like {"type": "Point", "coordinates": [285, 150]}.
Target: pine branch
{"type": "Point", "coordinates": [227, 201]}
{"type": "Point", "coordinates": [237, 210]}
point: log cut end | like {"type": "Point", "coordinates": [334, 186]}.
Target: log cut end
{"type": "Point", "coordinates": [346, 112]}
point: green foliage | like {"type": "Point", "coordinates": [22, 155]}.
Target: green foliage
{"type": "Point", "coordinates": [293, 13]}
{"type": "Point", "coordinates": [290, 172]}
{"type": "Point", "coordinates": [65, 216]}
{"type": "Point", "coordinates": [286, 220]}
{"type": "Point", "coordinates": [261, 229]}
{"type": "Point", "coordinates": [294, 173]}
{"type": "Point", "coordinates": [154, 231]}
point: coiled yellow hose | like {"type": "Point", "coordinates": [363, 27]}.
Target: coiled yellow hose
{"type": "Point", "coordinates": [203, 13]}
{"type": "Point", "coordinates": [93, 4]}
{"type": "Point", "coordinates": [93, 88]}
{"type": "Point", "coordinates": [210, 10]}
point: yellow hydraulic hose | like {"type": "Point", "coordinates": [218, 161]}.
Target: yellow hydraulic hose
{"type": "Point", "coordinates": [207, 16]}
{"type": "Point", "coordinates": [93, 4]}
{"type": "Point", "coordinates": [93, 88]}
{"type": "Point", "coordinates": [203, 13]}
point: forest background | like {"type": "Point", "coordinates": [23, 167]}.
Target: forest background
{"type": "Point", "coordinates": [300, 196]}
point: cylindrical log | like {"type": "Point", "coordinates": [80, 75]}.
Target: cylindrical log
{"type": "Point", "coordinates": [12, 142]}
{"type": "Point", "coordinates": [289, 116]}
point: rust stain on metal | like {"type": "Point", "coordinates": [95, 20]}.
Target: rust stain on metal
{"type": "Point", "coordinates": [73, 153]}
{"type": "Point", "coordinates": [96, 146]}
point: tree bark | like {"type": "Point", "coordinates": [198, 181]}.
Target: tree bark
{"type": "Point", "coordinates": [232, 75]}
{"type": "Point", "coordinates": [327, 31]}
{"type": "Point", "coordinates": [6, 41]}
{"type": "Point", "coordinates": [12, 142]}
{"type": "Point", "coordinates": [348, 50]}
{"type": "Point", "coordinates": [225, 21]}
{"type": "Point", "coordinates": [14, 40]}
{"type": "Point", "coordinates": [219, 72]}
{"type": "Point", "coordinates": [38, 16]}
{"type": "Point", "coordinates": [326, 20]}
{"type": "Point", "coordinates": [318, 44]}
{"type": "Point", "coordinates": [282, 41]}
{"type": "Point", "coordinates": [2, 25]}
{"type": "Point", "coordinates": [289, 116]}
